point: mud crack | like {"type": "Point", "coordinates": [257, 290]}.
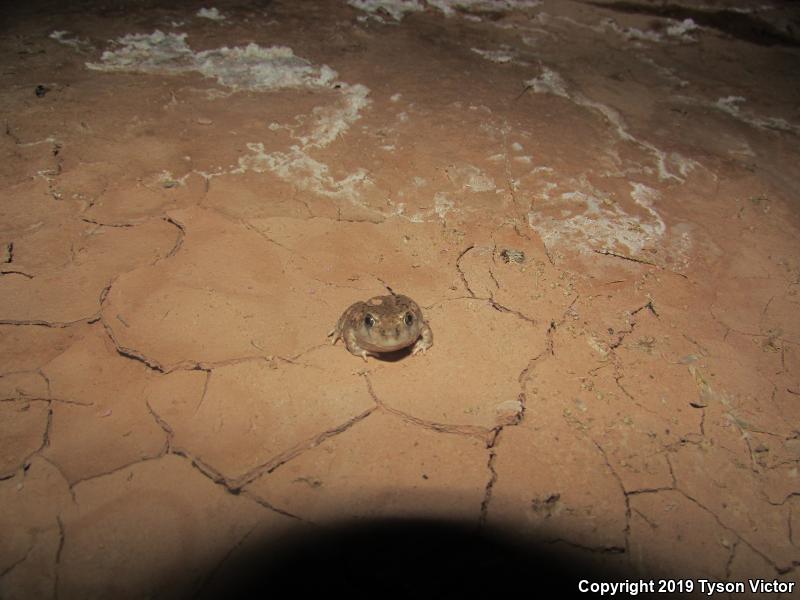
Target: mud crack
{"type": "Point", "coordinates": [15, 272]}
{"type": "Point", "coordinates": [606, 252]}
{"type": "Point", "coordinates": [181, 235]}
{"type": "Point", "coordinates": [625, 332]}
{"type": "Point", "coordinates": [487, 494]}
{"type": "Point", "coordinates": [461, 271]}
{"type": "Point", "coordinates": [740, 538]}
{"type": "Point", "coordinates": [287, 455]}
{"type": "Point", "coordinates": [482, 433]}
{"type": "Point", "coordinates": [616, 476]}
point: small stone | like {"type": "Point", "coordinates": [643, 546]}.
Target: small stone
{"type": "Point", "coordinates": [511, 255]}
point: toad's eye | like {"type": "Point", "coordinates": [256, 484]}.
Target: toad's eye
{"type": "Point", "coordinates": [409, 319]}
{"type": "Point", "coordinates": [369, 321]}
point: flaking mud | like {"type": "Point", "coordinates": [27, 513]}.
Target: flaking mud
{"type": "Point", "coordinates": [595, 205]}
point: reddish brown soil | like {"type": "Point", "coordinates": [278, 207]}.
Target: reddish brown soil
{"type": "Point", "coordinates": [173, 252]}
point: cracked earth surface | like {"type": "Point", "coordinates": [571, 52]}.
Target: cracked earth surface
{"type": "Point", "coordinates": [597, 210]}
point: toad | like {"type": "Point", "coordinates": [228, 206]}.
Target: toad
{"type": "Point", "coordinates": [383, 324]}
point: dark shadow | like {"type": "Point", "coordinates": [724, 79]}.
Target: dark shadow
{"type": "Point", "coordinates": [743, 26]}
{"type": "Point", "coordinates": [407, 558]}
{"type": "Point", "coordinates": [392, 356]}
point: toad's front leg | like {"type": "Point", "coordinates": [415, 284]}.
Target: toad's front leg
{"type": "Point", "coordinates": [425, 340]}
{"type": "Point", "coordinates": [335, 334]}
{"type": "Point", "coordinates": [351, 343]}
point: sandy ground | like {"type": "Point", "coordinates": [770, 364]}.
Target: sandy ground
{"type": "Point", "coordinates": [596, 208]}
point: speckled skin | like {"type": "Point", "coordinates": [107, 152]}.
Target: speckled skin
{"type": "Point", "coordinates": [383, 324]}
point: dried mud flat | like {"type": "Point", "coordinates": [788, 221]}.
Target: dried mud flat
{"type": "Point", "coordinates": [595, 204]}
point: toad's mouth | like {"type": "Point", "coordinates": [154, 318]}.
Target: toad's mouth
{"type": "Point", "coordinates": [386, 345]}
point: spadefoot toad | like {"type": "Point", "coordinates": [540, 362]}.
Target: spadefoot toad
{"type": "Point", "coordinates": [383, 324]}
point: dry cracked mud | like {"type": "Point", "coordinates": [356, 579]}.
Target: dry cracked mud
{"type": "Point", "coordinates": [596, 204]}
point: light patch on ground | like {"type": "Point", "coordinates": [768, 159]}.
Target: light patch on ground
{"type": "Point", "coordinates": [167, 179]}
{"type": "Point", "coordinates": [590, 220]}
{"type": "Point", "coordinates": [156, 52]}
{"type": "Point", "coordinates": [396, 9]}
{"type": "Point", "coordinates": [333, 121]}
{"type": "Point", "coordinates": [305, 172]}
{"type": "Point", "coordinates": [645, 196]}
{"type": "Point", "coordinates": [682, 28]}
{"type": "Point", "coordinates": [666, 73]}
{"type": "Point", "coordinates": [442, 204]}
{"type": "Point", "coordinates": [550, 82]}
{"type": "Point", "coordinates": [450, 7]}
{"type": "Point", "coordinates": [730, 104]}
{"type": "Point", "coordinates": [257, 68]}
{"type": "Point", "coordinates": [77, 43]}
{"type": "Point", "coordinates": [211, 13]}
{"type": "Point", "coordinates": [48, 140]}
{"type": "Point", "coordinates": [470, 178]}
{"type": "Point", "coordinates": [252, 67]}
{"type": "Point", "coordinates": [260, 69]}
{"type": "Point", "coordinates": [675, 31]}
{"type": "Point", "coordinates": [297, 165]}
{"type": "Point", "coordinates": [505, 54]}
